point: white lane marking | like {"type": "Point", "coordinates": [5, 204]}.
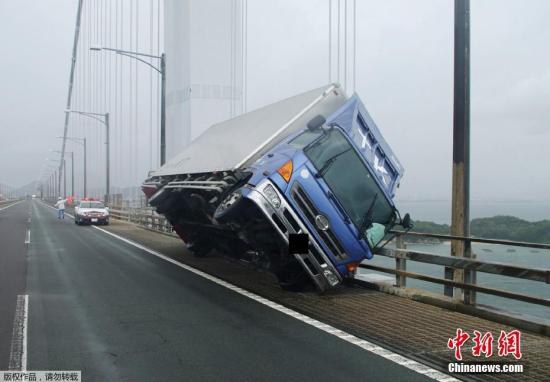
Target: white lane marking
{"type": "Point", "coordinates": [364, 344]}
{"type": "Point", "coordinates": [11, 205]}
{"type": "Point", "coordinates": [18, 353]}
{"type": "Point", "coordinates": [28, 236]}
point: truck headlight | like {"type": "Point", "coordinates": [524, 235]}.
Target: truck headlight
{"type": "Point", "coordinates": [272, 196]}
{"type": "Point", "coordinates": [331, 277]}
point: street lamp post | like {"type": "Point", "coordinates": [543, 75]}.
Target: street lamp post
{"type": "Point", "coordinates": [55, 185]}
{"type": "Point", "coordinates": [162, 71]}
{"type": "Point", "coordinates": [65, 172]}
{"type": "Point", "coordinates": [64, 179]}
{"type": "Point", "coordinates": [46, 182]}
{"type": "Point", "coordinates": [72, 170]}
{"type": "Point", "coordinates": [80, 141]}
{"type": "Point", "coordinates": [56, 191]}
{"type": "Point", "coordinates": [104, 121]}
{"type": "Point", "coordinates": [72, 173]}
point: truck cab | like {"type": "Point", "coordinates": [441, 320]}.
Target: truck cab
{"type": "Point", "coordinates": [334, 182]}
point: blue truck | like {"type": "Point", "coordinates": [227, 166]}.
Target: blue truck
{"type": "Point", "coordinates": [303, 188]}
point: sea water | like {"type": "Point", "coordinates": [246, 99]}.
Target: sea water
{"type": "Point", "coordinates": [439, 211]}
{"type": "Point", "coordinates": [525, 257]}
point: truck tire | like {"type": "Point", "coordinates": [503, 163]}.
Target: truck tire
{"type": "Point", "coordinates": [292, 277]}
{"type": "Point", "coordinates": [230, 207]}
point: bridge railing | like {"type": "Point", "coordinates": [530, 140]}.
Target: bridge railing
{"type": "Point", "coordinates": [402, 255]}
{"type": "Point", "coordinates": [145, 217]}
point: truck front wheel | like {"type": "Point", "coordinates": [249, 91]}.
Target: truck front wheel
{"type": "Point", "coordinates": [229, 208]}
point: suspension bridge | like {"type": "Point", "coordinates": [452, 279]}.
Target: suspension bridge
{"type": "Point", "coordinates": [128, 301]}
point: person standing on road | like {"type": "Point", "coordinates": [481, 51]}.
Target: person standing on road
{"type": "Point", "coordinates": [60, 205]}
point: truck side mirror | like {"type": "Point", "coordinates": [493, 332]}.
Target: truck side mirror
{"type": "Point", "coordinates": [316, 122]}
{"type": "Point", "coordinates": [406, 221]}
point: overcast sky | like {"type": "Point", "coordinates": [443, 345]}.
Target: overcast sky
{"type": "Point", "coordinates": [404, 76]}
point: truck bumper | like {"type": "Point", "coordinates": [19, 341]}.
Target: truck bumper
{"type": "Point", "coordinates": [285, 221]}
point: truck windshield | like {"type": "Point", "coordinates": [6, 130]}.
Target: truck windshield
{"type": "Point", "coordinates": [349, 179]}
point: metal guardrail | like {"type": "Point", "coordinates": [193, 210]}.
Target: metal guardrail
{"type": "Point", "coordinates": [145, 217]}
{"type": "Point", "coordinates": [402, 255]}
{"type": "Point", "coordinates": [475, 239]}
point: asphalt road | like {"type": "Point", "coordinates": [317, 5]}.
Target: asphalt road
{"type": "Point", "coordinates": [14, 222]}
{"type": "Point", "coordinates": [116, 312]}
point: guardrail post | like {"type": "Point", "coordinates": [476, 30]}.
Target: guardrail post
{"type": "Point", "coordinates": [470, 276]}
{"type": "Point", "coordinates": [400, 263]}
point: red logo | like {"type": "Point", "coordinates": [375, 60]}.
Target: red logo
{"type": "Point", "coordinates": [508, 343]}
{"type": "Point", "coordinates": [457, 342]}
{"type": "Point", "coordinates": [483, 344]}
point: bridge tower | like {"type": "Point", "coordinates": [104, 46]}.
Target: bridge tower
{"type": "Point", "coordinates": [205, 48]}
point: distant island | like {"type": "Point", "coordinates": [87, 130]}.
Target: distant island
{"type": "Point", "coordinates": [496, 227]}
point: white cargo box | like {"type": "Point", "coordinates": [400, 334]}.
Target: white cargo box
{"type": "Point", "coordinates": [239, 142]}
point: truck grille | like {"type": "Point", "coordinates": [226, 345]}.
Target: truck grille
{"type": "Point", "coordinates": [310, 211]}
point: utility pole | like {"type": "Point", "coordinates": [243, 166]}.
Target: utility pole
{"type": "Point", "coordinates": [460, 216]}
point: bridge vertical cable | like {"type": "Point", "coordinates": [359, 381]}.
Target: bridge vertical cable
{"type": "Point", "coordinates": [136, 180]}
{"type": "Point", "coordinates": [244, 43]}
{"type": "Point", "coordinates": [158, 79]}
{"type": "Point", "coordinates": [151, 86]}
{"type": "Point", "coordinates": [354, 44]}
